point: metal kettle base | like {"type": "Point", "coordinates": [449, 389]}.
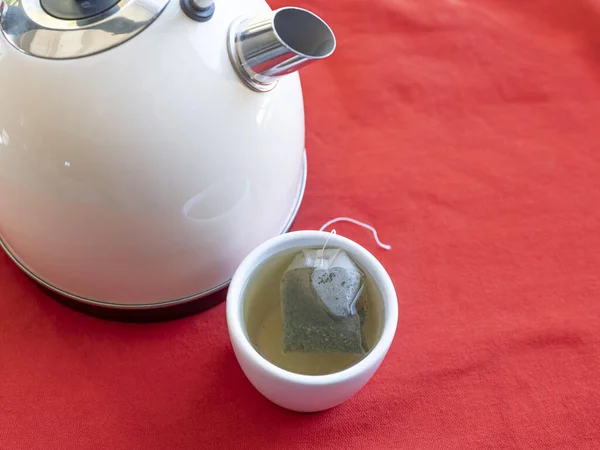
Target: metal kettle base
{"type": "Point", "coordinates": [163, 314]}
{"type": "Point", "coordinates": [147, 313]}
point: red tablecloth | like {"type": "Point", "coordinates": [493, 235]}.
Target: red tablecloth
{"type": "Point", "coordinates": [468, 132]}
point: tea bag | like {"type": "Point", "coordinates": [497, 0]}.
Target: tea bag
{"type": "Point", "coordinates": [319, 292]}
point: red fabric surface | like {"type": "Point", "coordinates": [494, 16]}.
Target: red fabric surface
{"type": "Point", "coordinates": [467, 132]}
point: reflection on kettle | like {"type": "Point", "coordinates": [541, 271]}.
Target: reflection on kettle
{"type": "Point", "coordinates": [4, 138]}
{"type": "Point", "coordinates": [218, 199]}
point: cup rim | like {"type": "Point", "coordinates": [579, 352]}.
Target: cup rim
{"type": "Point", "coordinates": [299, 239]}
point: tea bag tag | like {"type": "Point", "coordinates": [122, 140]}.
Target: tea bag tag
{"type": "Point", "coordinates": [321, 263]}
{"type": "Point", "coordinates": [319, 259]}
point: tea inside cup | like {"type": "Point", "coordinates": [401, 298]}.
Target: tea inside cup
{"type": "Point", "coordinates": [264, 322]}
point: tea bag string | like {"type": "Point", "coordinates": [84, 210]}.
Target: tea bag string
{"type": "Point", "coordinates": [321, 253]}
{"type": "Point", "coordinates": [360, 224]}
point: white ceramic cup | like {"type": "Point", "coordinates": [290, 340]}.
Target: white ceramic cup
{"type": "Point", "coordinates": [297, 392]}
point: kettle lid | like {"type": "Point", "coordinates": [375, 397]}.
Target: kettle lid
{"type": "Point", "coordinates": [35, 26]}
{"type": "Point", "coordinates": [76, 9]}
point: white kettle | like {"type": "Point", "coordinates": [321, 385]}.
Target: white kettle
{"type": "Point", "coordinates": [147, 146]}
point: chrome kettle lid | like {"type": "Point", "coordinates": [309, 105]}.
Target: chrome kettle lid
{"type": "Point", "coordinates": [69, 29]}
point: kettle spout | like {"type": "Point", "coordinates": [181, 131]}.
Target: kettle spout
{"type": "Point", "coordinates": [263, 49]}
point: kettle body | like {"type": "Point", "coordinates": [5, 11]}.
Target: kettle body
{"type": "Point", "coordinates": [141, 176]}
